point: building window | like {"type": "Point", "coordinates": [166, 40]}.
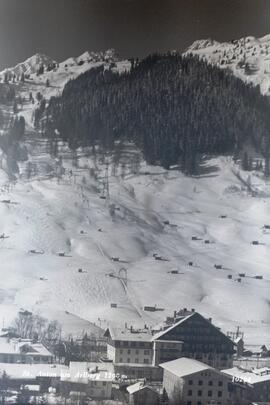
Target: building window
{"type": "Point", "coordinates": [128, 360]}
{"type": "Point", "coordinates": [220, 383]}
{"type": "Point", "coordinates": [146, 351]}
{"type": "Point", "coordinates": [189, 393]}
{"type": "Point", "coordinates": [189, 403]}
{"type": "Point", "coordinates": [199, 393]}
{"type": "Point", "coordinates": [120, 360]}
{"type": "Point", "coordinates": [121, 351]}
{"type": "Point", "coordinates": [210, 393]}
{"type": "Point", "coordinates": [200, 382]}
{"type": "Point", "coordinates": [146, 361]}
{"type": "Point", "coordinates": [136, 360]}
{"type": "Point", "coordinates": [219, 394]}
{"type": "Point", "coordinates": [210, 382]}
{"type": "Point", "coordinates": [104, 383]}
{"type": "Point", "coordinates": [190, 382]}
{"type": "Point", "coordinates": [137, 351]}
{"type": "Point", "coordinates": [199, 403]}
{"type": "Point", "coordinates": [128, 351]}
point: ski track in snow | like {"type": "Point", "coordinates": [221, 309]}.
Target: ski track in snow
{"type": "Point", "coordinates": [50, 216]}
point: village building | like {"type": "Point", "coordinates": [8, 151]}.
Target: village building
{"type": "Point", "coordinates": [131, 352]}
{"type": "Point", "coordinates": [23, 351]}
{"type": "Point", "coordinates": [138, 353]}
{"type": "Point", "coordinates": [253, 356]}
{"type": "Point", "coordinates": [252, 350]}
{"type": "Point", "coordinates": [141, 394]}
{"type": "Point", "coordinates": [195, 383]}
{"type": "Point", "coordinates": [129, 346]}
{"type": "Point", "coordinates": [93, 379]}
{"type": "Point", "coordinates": [201, 339]}
{"type": "Point", "coordinates": [254, 383]}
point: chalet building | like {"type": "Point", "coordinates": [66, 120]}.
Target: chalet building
{"type": "Point", "coordinates": [23, 351]}
{"type": "Point", "coordinates": [201, 339]}
{"type": "Point", "coordinates": [254, 383]}
{"type": "Point", "coordinates": [194, 383]}
{"type": "Point", "coordinates": [138, 353]}
{"type": "Point", "coordinates": [93, 379]}
{"type": "Point", "coordinates": [141, 394]}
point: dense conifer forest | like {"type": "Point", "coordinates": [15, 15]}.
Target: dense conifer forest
{"type": "Point", "coordinates": [174, 108]}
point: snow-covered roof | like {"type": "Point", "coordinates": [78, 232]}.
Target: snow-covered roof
{"type": "Point", "coordinates": [184, 366]}
{"type": "Point", "coordinates": [32, 387]}
{"type": "Point", "coordinates": [138, 387]}
{"type": "Point", "coordinates": [36, 349]}
{"type": "Point", "coordinates": [135, 365]}
{"type": "Point", "coordinates": [253, 376]}
{"type": "Point", "coordinates": [128, 335]}
{"type": "Point", "coordinates": [17, 346]}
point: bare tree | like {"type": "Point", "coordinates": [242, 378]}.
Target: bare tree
{"type": "Point", "coordinates": [31, 326]}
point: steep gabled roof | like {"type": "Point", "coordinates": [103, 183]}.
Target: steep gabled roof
{"type": "Point", "coordinates": [161, 334]}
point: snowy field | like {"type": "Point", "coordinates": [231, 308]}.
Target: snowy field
{"type": "Point", "coordinates": [69, 216]}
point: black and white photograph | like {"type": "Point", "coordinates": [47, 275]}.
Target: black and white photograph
{"type": "Point", "coordinates": [135, 202]}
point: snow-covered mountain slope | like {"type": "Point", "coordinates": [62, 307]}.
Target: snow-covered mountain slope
{"type": "Point", "coordinates": [248, 58]}
{"type": "Point", "coordinates": [52, 81]}
{"type": "Point", "coordinates": [30, 65]}
{"type": "Point", "coordinates": [148, 211]}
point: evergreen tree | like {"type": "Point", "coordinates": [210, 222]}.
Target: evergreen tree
{"type": "Point", "coordinates": [174, 108]}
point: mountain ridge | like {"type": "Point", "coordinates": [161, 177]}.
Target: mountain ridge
{"type": "Point", "coordinates": [32, 64]}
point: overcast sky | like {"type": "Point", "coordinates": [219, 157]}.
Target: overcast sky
{"type": "Point", "coordinates": [63, 28]}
